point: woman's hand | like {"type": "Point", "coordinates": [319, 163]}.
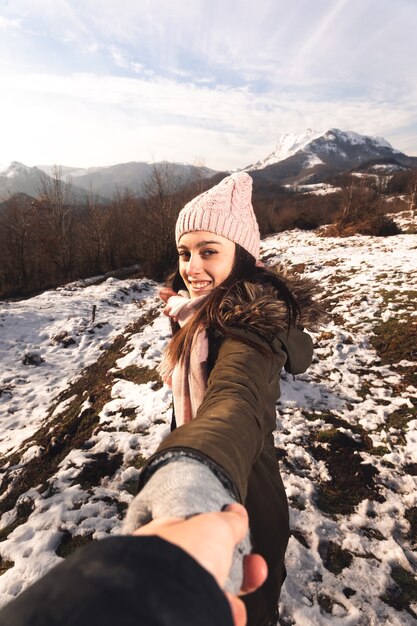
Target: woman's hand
{"type": "Point", "coordinates": [210, 539]}
{"type": "Point", "coordinates": [165, 293]}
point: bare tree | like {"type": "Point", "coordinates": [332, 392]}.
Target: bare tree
{"type": "Point", "coordinates": [17, 227]}
{"type": "Point", "coordinates": [164, 194]}
{"type": "Point", "coordinates": [412, 194]}
{"type": "Point", "coordinates": [347, 205]}
{"type": "Point", "coordinates": [95, 239]}
{"type": "Point", "coordinates": [56, 202]}
{"type": "Point", "coordinates": [159, 193]}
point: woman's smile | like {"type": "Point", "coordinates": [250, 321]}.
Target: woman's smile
{"type": "Point", "coordinates": [198, 284]}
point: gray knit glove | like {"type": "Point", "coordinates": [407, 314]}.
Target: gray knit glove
{"type": "Point", "coordinates": [182, 488]}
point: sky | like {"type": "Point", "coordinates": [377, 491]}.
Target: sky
{"type": "Point", "coordinates": [99, 82]}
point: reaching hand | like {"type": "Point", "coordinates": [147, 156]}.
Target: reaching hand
{"type": "Point", "coordinates": [165, 293]}
{"type": "Point", "coordinates": [210, 539]}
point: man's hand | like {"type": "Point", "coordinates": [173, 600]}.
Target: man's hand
{"type": "Point", "coordinates": [210, 539]}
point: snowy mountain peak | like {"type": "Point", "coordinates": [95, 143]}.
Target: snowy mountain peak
{"type": "Point", "coordinates": [16, 168]}
{"type": "Point", "coordinates": [335, 148]}
{"type": "Point", "coordinates": [287, 145]}
{"type": "Point", "coordinates": [355, 139]}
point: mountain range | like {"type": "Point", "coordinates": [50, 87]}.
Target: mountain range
{"type": "Point", "coordinates": [103, 181]}
{"type": "Point", "coordinates": [308, 158]}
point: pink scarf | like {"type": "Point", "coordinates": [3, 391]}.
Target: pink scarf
{"type": "Point", "coordinates": [188, 378]}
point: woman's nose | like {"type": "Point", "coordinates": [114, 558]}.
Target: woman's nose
{"type": "Point", "coordinates": [194, 265]}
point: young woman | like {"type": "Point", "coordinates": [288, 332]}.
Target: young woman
{"type": "Point", "coordinates": [235, 325]}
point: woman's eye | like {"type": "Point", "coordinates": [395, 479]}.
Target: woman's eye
{"type": "Point", "coordinates": [207, 253]}
{"type": "Point", "coordinates": [183, 254]}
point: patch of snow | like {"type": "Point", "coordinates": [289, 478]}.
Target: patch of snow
{"type": "Point", "coordinates": [387, 168]}
{"type": "Point", "coordinates": [312, 160]}
{"type": "Point", "coordinates": [318, 189]}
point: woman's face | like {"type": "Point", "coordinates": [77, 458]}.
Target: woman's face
{"type": "Point", "coordinates": [205, 261]}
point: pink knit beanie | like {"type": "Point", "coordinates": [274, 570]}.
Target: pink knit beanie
{"type": "Point", "coordinates": [225, 210]}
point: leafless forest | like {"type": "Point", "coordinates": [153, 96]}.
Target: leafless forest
{"type": "Point", "coordinates": [53, 239]}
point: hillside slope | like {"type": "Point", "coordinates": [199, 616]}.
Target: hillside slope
{"type": "Point", "coordinates": [82, 406]}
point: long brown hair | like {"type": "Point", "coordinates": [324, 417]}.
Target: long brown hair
{"type": "Point", "coordinates": [244, 269]}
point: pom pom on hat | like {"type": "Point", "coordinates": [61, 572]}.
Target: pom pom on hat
{"type": "Point", "coordinates": [224, 210]}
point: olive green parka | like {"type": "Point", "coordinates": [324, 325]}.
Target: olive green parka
{"type": "Point", "coordinates": [232, 430]}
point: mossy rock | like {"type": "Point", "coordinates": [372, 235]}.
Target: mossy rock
{"type": "Point", "coordinates": [301, 538]}
{"type": "Point", "coordinates": [379, 451]}
{"type": "Point", "coordinates": [338, 422]}
{"type": "Point", "coordinates": [410, 469]}
{"type": "Point", "coordinates": [372, 533]}
{"type": "Point", "coordinates": [23, 510]}
{"type": "Point", "coordinates": [342, 440]}
{"type": "Point", "coordinates": [5, 565]}
{"type": "Point", "coordinates": [395, 340]}
{"type": "Point", "coordinates": [352, 481]}
{"type": "Point", "coordinates": [399, 420]}
{"type": "Point", "coordinates": [311, 417]}
{"type": "Point", "coordinates": [404, 593]}
{"type": "Point", "coordinates": [411, 517]}
{"type": "Point", "coordinates": [334, 558]}
{"type": "Point", "coordinates": [398, 297]}
{"type": "Point", "coordinates": [140, 375]}
{"type": "Point", "coordinates": [69, 543]}
{"type": "Point", "coordinates": [138, 462]}
{"type": "Point", "coordinates": [296, 503]}
{"type": "Point", "coordinates": [96, 468]}
{"type": "Point", "coordinates": [325, 602]}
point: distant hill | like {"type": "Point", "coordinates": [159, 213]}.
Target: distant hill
{"type": "Point", "coordinates": [131, 176]}
{"type": "Point", "coordinates": [19, 198]}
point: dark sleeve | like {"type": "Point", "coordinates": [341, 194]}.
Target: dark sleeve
{"type": "Point", "coordinates": [298, 346]}
{"type": "Point", "coordinates": [122, 581]}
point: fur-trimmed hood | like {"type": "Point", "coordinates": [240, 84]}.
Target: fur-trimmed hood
{"type": "Point", "coordinates": [262, 309]}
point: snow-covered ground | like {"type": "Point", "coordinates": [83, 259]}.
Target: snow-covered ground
{"type": "Point", "coordinates": [341, 564]}
{"type": "Point", "coordinates": [81, 406]}
{"type": "Point", "coordinates": [55, 330]}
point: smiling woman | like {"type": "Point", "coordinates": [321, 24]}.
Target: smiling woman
{"type": "Point", "coordinates": [235, 325]}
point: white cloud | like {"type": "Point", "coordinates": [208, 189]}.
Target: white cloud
{"type": "Point", "coordinates": [119, 57]}
{"type": "Point", "coordinates": [6, 23]}
{"type": "Point", "coordinates": [93, 120]}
